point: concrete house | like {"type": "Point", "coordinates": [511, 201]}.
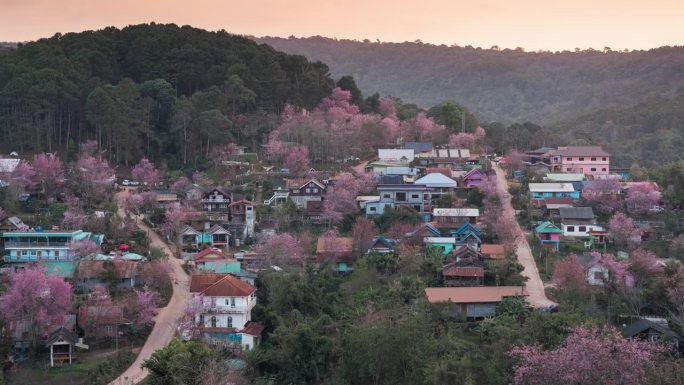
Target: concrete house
{"type": "Point", "coordinates": [578, 221]}
{"type": "Point", "coordinates": [588, 160]}
{"type": "Point", "coordinates": [395, 195]}
{"type": "Point", "coordinates": [540, 191]}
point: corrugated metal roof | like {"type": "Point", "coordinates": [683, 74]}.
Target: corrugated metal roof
{"type": "Point", "coordinates": [456, 212]}
{"type": "Point", "coordinates": [473, 294]}
{"type": "Point", "coordinates": [551, 187]}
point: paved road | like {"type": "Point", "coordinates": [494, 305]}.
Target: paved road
{"type": "Point", "coordinates": [167, 319]}
{"type": "Point", "coordinates": [534, 285]}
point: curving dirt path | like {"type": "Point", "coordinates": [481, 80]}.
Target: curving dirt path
{"type": "Point", "coordinates": [167, 319]}
{"type": "Point", "coordinates": [534, 285]}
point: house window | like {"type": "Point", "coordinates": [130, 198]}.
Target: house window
{"type": "Point", "coordinates": [213, 321]}
{"type": "Point", "coordinates": [581, 158]}
{"type": "Point", "coordinates": [308, 190]}
{"type": "Point", "coordinates": [40, 253]}
{"type": "Point", "coordinates": [247, 347]}
{"type": "Point", "coordinates": [372, 209]}
{"type": "Point", "coordinates": [109, 329]}
{"type": "Point", "coordinates": [315, 190]}
{"type": "Point", "coordinates": [582, 229]}
{"type": "Point", "coordinates": [387, 196]}
{"type": "Point", "coordinates": [568, 169]}
{"type": "Point", "coordinates": [415, 196]}
{"type": "Point", "coordinates": [593, 169]}
{"type": "Point", "coordinates": [603, 169]}
{"type": "Point", "coordinates": [604, 158]}
{"type": "Point", "coordinates": [232, 301]}
{"type": "Point", "coordinates": [57, 253]}
{"type": "Point", "coordinates": [401, 197]}
{"type": "Point", "coordinates": [230, 322]}
{"type": "Point", "coordinates": [571, 229]}
{"type": "Point", "coordinates": [598, 276]}
{"type": "Point", "coordinates": [593, 158]}
{"type": "Point", "coordinates": [569, 158]}
{"type": "Point", "coordinates": [417, 208]}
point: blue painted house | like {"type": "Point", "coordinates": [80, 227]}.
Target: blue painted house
{"type": "Point", "coordinates": [541, 191]}
{"type": "Point", "coordinates": [37, 245]}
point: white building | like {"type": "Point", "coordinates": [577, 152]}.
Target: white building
{"type": "Point", "coordinates": [396, 155]}
{"type": "Point", "coordinates": [225, 317]}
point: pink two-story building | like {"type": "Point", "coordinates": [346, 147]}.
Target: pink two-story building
{"type": "Point", "coordinates": [588, 160]}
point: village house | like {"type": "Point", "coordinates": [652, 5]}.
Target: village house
{"type": "Point", "coordinates": [382, 245]}
{"type": "Point", "coordinates": [445, 244]}
{"type": "Point", "coordinates": [578, 221]}
{"type": "Point", "coordinates": [652, 330]}
{"type": "Point", "coordinates": [465, 272]}
{"type": "Point", "coordinates": [419, 147]}
{"type": "Point", "coordinates": [493, 251]}
{"type": "Point", "coordinates": [565, 178]}
{"type": "Point", "coordinates": [338, 251]}
{"type": "Point", "coordinates": [441, 185]}
{"type": "Point", "coordinates": [225, 317]}
{"type": "Point", "coordinates": [451, 158]}
{"type": "Point", "coordinates": [474, 302]}
{"type": "Point", "coordinates": [100, 321]}
{"type": "Point", "coordinates": [311, 190]}
{"type": "Point", "coordinates": [63, 343]}
{"type": "Point", "coordinates": [549, 234]}
{"type": "Point", "coordinates": [213, 260]}
{"type": "Point", "coordinates": [36, 245]}
{"type": "Point", "coordinates": [455, 217]}
{"type": "Point", "coordinates": [92, 273]}
{"type": "Point", "coordinates": [396, 155]}
{"type": "Point", "coordinates": [541, 191]}
{"type": "Point", "coordinates": [472, 178]}
{"type": "Point", "coordinates": [464, 252]}
{"type": "Point", "coordinates": [165, 197]}
{"type": "Point", "coordinates": [588, 160]}
{"type": "Point", "coordinates": [215, 204]}
{"type": "Point", "coordinates": [552, 206]}
{"type": "Point", "coordinates": [395, 195]}
{"type": "Point", "coordinates": [467, 234]}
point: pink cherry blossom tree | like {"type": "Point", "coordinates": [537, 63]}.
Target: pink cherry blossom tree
{"type": "Point", "coordinates": [643, 265]}
{"type": "Point", "coordinates": [181, 186]}
{"type": "Point", "coordinates": [24, 176]}
{"type": "Point", "coordinates": [297, 160]}
{"type": "Point", "coordinates": [143, 307]}
{"type": "Point", "coordinates": [363, 232]}
{"type": "Point", "coordinates": [84, 248]}
{"type": "Point", "coordinates": [74, 216]}
{"type": "Point", "coordinates": [49, 172]}
{"type": "Point", "coordinates": [94, 170]}
{"type": "Point", "coordinates": [588, 356]}
{"type": "Point", "coordinates": [174, 219]}
{"type": "Point", "coordinates": [603, 194]}
{"type": "Point", "coordinates": [146, 172]}
{"type": "Point", "coordinates": [624, 231]}
{"type": "Point", "coordinates": [642, 196]}
{"type": "Point", "coordinates": [569, 274]}
{"type": "Point", "coordinates": [341, 197]}
{"type": "Point", "coordinates": [281, 248]}
{"type": "Point", "coordinates": [462, 140]}
{"type": "Point", "coordinates": [32, 296]}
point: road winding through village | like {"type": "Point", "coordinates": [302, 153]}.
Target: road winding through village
{"type": "Point", "coordinates": [534, 285]}
{"type": "Point", "coordinates": [168, 317]}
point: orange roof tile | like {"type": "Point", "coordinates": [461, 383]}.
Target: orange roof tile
{"type": "Point", "coordinates": [220, 285]}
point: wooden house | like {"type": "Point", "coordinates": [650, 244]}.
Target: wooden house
{"type": "Point", "coordinates": [466, 272]}
{"type": "Point", "coordinates": [474, 302]}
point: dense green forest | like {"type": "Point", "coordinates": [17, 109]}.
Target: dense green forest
{"type": "Point", "coordinates": [500, 85]}
{"type": "Point", "coordinates": [153, 90]}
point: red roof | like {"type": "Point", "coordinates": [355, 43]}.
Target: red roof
{"type": "Point", "coordinates": [455, 271]}
{"type": "Point", "coordinates": [493, 251]}
{"type": "Point", "coordinates": [220, 285]}
{"type": "Point", "coordinates": [219, 254]}
{"type": "Point", "coordinates": [253, 329]}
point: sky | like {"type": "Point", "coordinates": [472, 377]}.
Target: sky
{"type": "Point", "coordinates": [530, 24]}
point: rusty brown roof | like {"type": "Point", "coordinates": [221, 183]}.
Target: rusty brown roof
{"type": "Point", "coordinates": [220, 285]}
{"type": "Point", "coordinates": [88, 269]}
{"type": "Point", "coordinates": [483, 294]}
{"type": "Point", "coordinates": [493, 251]}
{"type": "Point", "coordinates": [456, 271]}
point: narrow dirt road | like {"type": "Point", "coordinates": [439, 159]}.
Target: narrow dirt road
{"type": "Point", "coordinates": [535, 287]}
{"type": "Point", "coordinates": [167, 319]}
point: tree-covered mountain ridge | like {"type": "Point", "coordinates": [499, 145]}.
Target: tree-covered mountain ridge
{"type": "Point", "coordinates": [500, 85]}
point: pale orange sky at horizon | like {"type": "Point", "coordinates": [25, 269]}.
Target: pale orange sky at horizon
{"type": "Point", "coordinates": [531, 24]}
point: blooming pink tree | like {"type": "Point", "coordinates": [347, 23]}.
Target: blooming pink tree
{"type": "Point", "coordinates": [143, 307]}
{"type": "Point", "coordinates": [174, 219]}
{"type": "Point", "coordinates": [74, 216]}
{"type": "Point", "coordinates": [624, 231]}
{"type": "Point", "coordinates": [643, 265]}
{"type": "Point", "coordinates": [181, 186]}
{"type": "Point", "coordinates": [462, 140]}
{"type": "Point", "coordinates": [49, 172]}
{"type": "Point", "coordinates": [603, 194]}
{"type": "Point", "coordinates": [297, 160]}
{"type": "Point", "coordinates": [642, 196]}
{"type": "Point", "coordinates": [146, 172]}
{"type": "Point", "coordinates": [84, 248]}
{"type": "Point", "coordinates": [363, 232]}
{"type": "Point", "coordinates": [24, 176]}
{"type": "Point", "coordinates": [43, 301]}
{"type": "Point", "coordinates": [281, 248]}
{"type": "Point", "coordinates": [569, 274]}
{"type": "Point", "coordinates": [341, 197]}
{"type": "Point", "coordinates": [588, 356]}
{"type": "Point", "coordinates": [96, 173]}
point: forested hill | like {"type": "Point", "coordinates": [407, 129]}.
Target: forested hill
{"type": "Point", "coordinates": [502, 85]}
{"type": "Point", "coordinates": [147, 90]}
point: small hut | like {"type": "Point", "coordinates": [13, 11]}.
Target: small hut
{"type": "Point", "coordinates": [61, 343]}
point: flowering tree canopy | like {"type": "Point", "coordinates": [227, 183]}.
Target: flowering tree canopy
{"type": "Point", "coordinates": [603, 193]}
{"type": "Point", "coordinates": [569, 273]}
{"type": "Point", "coordinates": [624, 231]}
{"type": "Point", "coordinates": [588, 356]}
{"type": "Point", "coordinates": [41, 300]}
{"type": "Point", "coordinates": [143, 307]}
{"type": "Point", "coordinates": [49, 172]}
{"type": "Point", "coordinates": [281, 248]}
{"type": "Point", "coordinates": [146, 172]}
{"type": "Point", "coordinates": [642, 196]}
{"type": "Point", "coordinates": [297, 160]}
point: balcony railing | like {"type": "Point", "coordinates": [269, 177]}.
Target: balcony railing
{"type": "Point", "coordinates": [35, 244]}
